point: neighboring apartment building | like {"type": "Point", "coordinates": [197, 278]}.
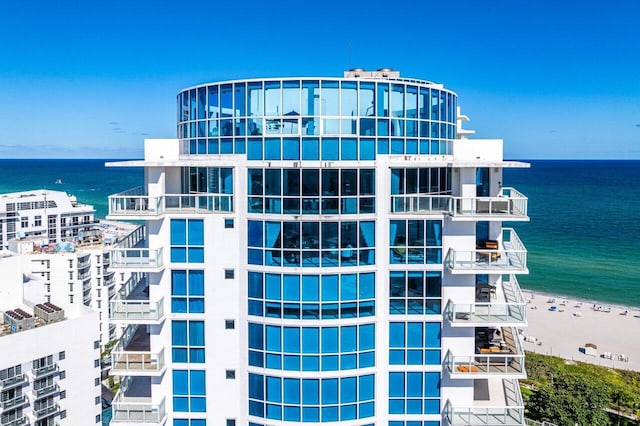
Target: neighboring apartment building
{"type": "Point", "coordinates": [77, 271]}
{"type": "Point", "coordinates": [322, 250]}
{"type": "Point", "coordinates": [55, 214]}
{"type": "Point", "coordinates": [50, 363]}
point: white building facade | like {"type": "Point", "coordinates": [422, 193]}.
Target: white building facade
{"type": "Point", "coordinates": [321, 250]}
{"type": "Point", "coordinates": [54, 214]}
{"type": "Point", "coordinates": [50, 363]}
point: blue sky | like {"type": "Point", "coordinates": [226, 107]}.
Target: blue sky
{"type": "Point", "coordinates": [555, 79]}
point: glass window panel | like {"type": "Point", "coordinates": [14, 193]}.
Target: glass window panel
{"type": "Point", "coordinates": [367, 149]}
{"type": "Point", "coordinates": [329, 285]}
{"type": "Point", "coordinates": [255, 99]}
{"type": "Point", "coordinates": [366, 99]}
{"type": "Point", "coordinates": [330, 149]}
{"type": "Point", "coordinates": [329, 391]}
{"type": "Point", "coordinates": [291, 149]}
{"type": "Point", "coordinates": [272, 98]}
{"type": "Point", "coordinates": [239, 104]}
{"type": "Point", "coordinates": [432, 335]}
{"type": "Point", "coordinates": [291, 287]}
{"type": "Point", "coordinates": [382, 109]}
{"type": "Point", "coordinates": [214, 104]}
{"type": "Point", "coordinates": [348, 391]}
{"type": "Point", "coordinates": [291, 98]}
{"type": "Point", "coordinates": [180, 382]}
{"type": "Point", "coordinates": [310, 182]}
{"type": "Point", "coordinates": [310, 340]}
{"type": "Point", "coordinates": [397, 100]}
{"type": "Point", "coordinates": [196, 232]}
{"type": "Point", "coordinates": [273, 338]}
{"type": "Point", "coordinates": [292, 391]}
{"type": "Point", "coordinates": [274, 389]}
{"type": "Point", "coordinates": [272, 148]}
{"type": "Point", "coordinates": [178, 231]}
{"type": "Point", "coordinates": [329, 340]}
{"type": "Point", "coordinates": [330, 99]}
{"type": "Point", "coordinates": [226, 100]}
{"type": "Point", "coordinates": [310, 392]}
{"type": "Point", "coordinates": [366, 286]}
{"type": "Point", "coordinates": [310, 98]}
{"type": "Point", "coordinates": [272, 286]}
{"type": "Point", "coordinates": [432, 384]}
{"type": "Point", "coordinates": [310, 288]}
{"type": "Point", "coordinates": [396, 335]}
{"type": "Point", "coordinates": [348, 339]}
{"type": "Point", "coordinates": [348, 287]}
{"type": "Point", "coordinates": [414, 335]}
{"type": "Point", "coordinates": [349, 99]}
{"type": "Point", "coordinates": [310, 149]}
{"type": "Point", "coordinates": [348, 149]}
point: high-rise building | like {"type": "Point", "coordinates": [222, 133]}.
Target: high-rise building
{"type": "Point", "coordinates": [322, 250]}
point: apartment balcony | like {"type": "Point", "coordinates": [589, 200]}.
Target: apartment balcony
{"type": "Point", "coordinates": [12, 382]}
{"type": "Point", "coordinates": [45, 391]}
{"type": "Point", "coordinates": [13, 402]}
{"type": "Point", "coordinates": [507, 254]}
{"type": "Point", "coordinates": [499, 354]}
{"type": "Point", "coordinates": [136, 259]}
{"type": "Point", "coordinates": [135, 204]}
{"type": "Point", "coordinates": [421, 204]}
{"type": "Point", "coordinates": [509, 205]}
{"type": "Point", "coordinates": [15, 421]}
{"type": "Point", "coordinates": [42, 412]}
{"type": "Point", "coordinates": [500, 305]}
{"type": "Point", "coordinates": [132, 305]}
{"type": "Point", "coordinates": [133, 404]}
{"type": "Point", "coordinates": [132, 355]}
{"type": "Point", "coordinates": [44, 371]}
{"type": "Point", "coordinates": [497, 402]}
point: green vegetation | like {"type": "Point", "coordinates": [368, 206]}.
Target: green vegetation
{"type": "Point", "coordinates": [567, 393]}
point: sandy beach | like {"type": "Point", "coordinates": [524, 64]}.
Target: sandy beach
{"type": "Point", "coordinates": [563, 331]}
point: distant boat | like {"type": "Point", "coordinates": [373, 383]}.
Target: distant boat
{"type": "Point", "coordinates": [58, 181]}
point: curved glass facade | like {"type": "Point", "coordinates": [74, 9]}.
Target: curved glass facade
{"type": "Point", "coordinates": [317, 119]}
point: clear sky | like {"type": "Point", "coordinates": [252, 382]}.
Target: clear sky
{"type": "Point", "coordinates": [555, 79]}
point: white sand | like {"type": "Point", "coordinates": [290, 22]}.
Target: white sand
{"type": "Point", "coordinates": [562, 333]}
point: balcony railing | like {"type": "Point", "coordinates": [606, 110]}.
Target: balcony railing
{"type": "Point", "coordinates": [423, 204]}
{"type": "Point", "coordinates": [39, 413]}
{"type": "Point", "coordinates": [136, 203]}
{"type": "Point", "coordinates": [45, 391]}
{"type": "Point", "coordinates": [15, 421]}
{"type": "Point", "coordinates": [16, 380]}
{"type": "Point", "coordinates": [14, 402]}
{"type": "Point", "coordinates": [509, 413]}
{"type": "Point", "coordinates": [143, 258]}
{"type": "Point", "coordinates": [137, 310]}
{"type": "Point", "coordinates": [510, 204]}
{"type": "Point", "coordinates": [509, 310]}
{"type": "Point", "coordinates": [137, 410]}
{"type": "Point", "coordinates": [44, 370]}
{"type": "Point", "coordinates": [510, 256]}
{"type": "Point", "coordinates": [128, 362]}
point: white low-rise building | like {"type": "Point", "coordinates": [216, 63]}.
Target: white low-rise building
{"type": "Point", "coordinates": [50, 362]}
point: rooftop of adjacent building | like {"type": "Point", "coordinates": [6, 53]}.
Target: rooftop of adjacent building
{"type": "Point", "coordinates": [22, 318]}
{"type": "Point", "coordinates": [104, 234]}
{"type": "Point", "coordinates": [44, 198]}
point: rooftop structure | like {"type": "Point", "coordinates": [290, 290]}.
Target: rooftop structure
{"type": "Point", "coordinates": [54, 214]}
{"type": "Point", "coordinates": [321, 250]}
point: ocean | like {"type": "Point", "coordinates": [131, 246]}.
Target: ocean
{"type": "Point", "coordinates": [583, 239]}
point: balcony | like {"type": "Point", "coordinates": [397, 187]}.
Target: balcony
{"type": "Point", "coordinates": [15, 421]}
{"type": "Point", "coordinates": [14, 381]}
{"type": "Point", "coordinates": [509, 205]}
{"type": "Point", "coordinates": [135, 204]}
{"type": "Point", "coordinates": [132, 305]}
{"type": "Point", "coordinates": [500, 304]}
{"type": "Point", "coordinates": [497, 356]}
{"type": "Point", "coordinates": [45, 370]}
{"type": "Point", "coordinates": [132, 355]}
{"type": "Point", "coordinates": [137, 259]}
{"type": "Point", "coordinates": [421, 204]}
{"type": "Point", "coordinates": [509, 256]}
{"type": "Point", "coordinates": [13, 403]}
{"type": "Point", "coordinates": [45, 391]}
{"type": "Point", "coordinates": [497, 403]}
{"type": "Point", "coordinates": [42, 412]}
{"type": "Point", "coordinates": [133, 404]}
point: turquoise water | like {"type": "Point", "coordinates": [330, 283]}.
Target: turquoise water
{"type": "Point", "coordinates": [583, 238]}
{"type": "Point", "coordinates": [106, 416]}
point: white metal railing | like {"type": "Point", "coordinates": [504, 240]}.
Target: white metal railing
{"type": "Point", "coordinates": [416, 203]}
{"type": "Point", "coordinates": [511, 255]}
{"type": "Point", "coordinates": [129, 285]}
{"type": "Point", "coordinates": [135, 202]}
{"type": "Point", "coordinates": [509, 414]}
{"type": "Point", "coordinates": [512, 310]}
{"type": "Point", "coordinates": [122, 309]}
{"type": "Point", "coordinates": [509, 204]}
{"type": "Point", "coordinates": [136, 257]}
{"type": "Point", "coordinates": [136, 361]}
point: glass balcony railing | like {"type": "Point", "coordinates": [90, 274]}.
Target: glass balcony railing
{"type": "Point", "coordinates": [13, 381]}
{"type": "Point", "coordinates": [137, 410]}
{"type": "Point", "coordinates": [505, 306]}
{"type": "Point", "coordinates": [45, 391]}
{"type": "Point", "coordinates": [509, 255]}
{"type": "Point", "coordinates": [39, 413]}
{"type": "Point", "coordinates": [132, 354]}
{"type": "Point", "coordinates": [14, 421]}
{"type": "Point", "coordinates": [143, 258]}
{"type": "Point", "coordinates": [140, 311]}
{"type": "Point", "coordinates": [510, 204]}
{"type": "Point", "coordinates": [45, 370]}
{"type": "Point", "coordinates": [505, 360]}
{"type": "Point", "coordinates": [136, 203]}
{"type": "Point", "coordinates": [13, 402]}
{"type": "Point", "coordinates": [425, 204]}
{"type": "Point", "coordinates": [507, 411]}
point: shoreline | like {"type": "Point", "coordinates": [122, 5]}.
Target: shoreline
{"type": "Point", "coordinates": [559, 297]}
{"type": "Point", "coordinates": [565, 331]}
